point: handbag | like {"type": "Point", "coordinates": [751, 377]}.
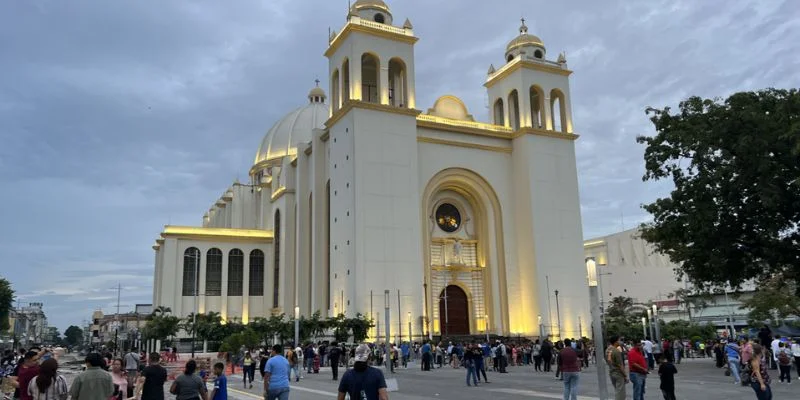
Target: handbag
{"type": "Point", "coordinates": [746, 376]}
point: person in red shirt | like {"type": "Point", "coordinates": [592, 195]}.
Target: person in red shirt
{"type": "Point", "coordinates": [27, 371]}
{"type": "Point", "coordinates": [569, 364]}
{"type": "Point", "coordinates": [638, 370]}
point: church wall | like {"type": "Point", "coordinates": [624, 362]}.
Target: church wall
{"type": "Point", "coordinates": [387, 230]}
{"type": "Point", "coordinates": [318, 171]}
{"type": "Point", "coordinates": [303, 232]}
{"type": "Point", "coordinates": [494, 168]}
{"type": "Point", "coordinates": [546, 182]}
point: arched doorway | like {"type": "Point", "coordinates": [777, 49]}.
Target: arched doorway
{"type": "Point", "coordinates": [454, 311]}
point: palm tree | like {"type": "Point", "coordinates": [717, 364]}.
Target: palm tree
{"type": "Point", "coordinates": [6, 302]}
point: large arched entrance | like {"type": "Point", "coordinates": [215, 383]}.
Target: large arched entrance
{"type": "Point", "coordinates": [454, 314]}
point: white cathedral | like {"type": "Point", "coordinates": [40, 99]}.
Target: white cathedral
{"type": "Point", "coordinates": [471, 227]}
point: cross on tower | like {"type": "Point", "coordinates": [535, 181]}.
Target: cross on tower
{"type": "Point", "coordinates": [317, 82]}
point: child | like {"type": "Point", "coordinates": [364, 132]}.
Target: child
{"type": "Point", "coordinates": [667, 373]}
{"type": "Point", "coordinates": [220, 391]}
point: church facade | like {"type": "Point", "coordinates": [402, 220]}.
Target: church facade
{"type": "Point", "coordinates": [362, 198]}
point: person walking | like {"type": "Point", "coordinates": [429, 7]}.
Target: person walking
{"type": "Point", "coordinates": [131, 362]}
{"type": "Point", "coordinates": [470, 364]}
{"type": "Point", "coordinates": [154, 378]}
{"type": "Point", "coordinates": [120, 379]}
{"type": "Point", "coordinates": [638, 370]}
{"type": "Point", "coordinates": [362, 381]}
{"type": "Point", "coordinates": [248, 369]}
{"type": "Point", "coordinates": [667, 371]}
{"type": "Point", "coordinates": [49, 384]}
{"type": "Point", "coordinates": [616, 367]}
{"type": "Point", "coordinates": [570, 367]}
{"type": "Point", "coordinates": [796, 355]}
{"type": "Point", "coordinates": [27, 369]}
{"type": "Point", "coordinates": [677, 347]}
{"type": "Point", "coordinates": [547, 355]}
{"type": "Point", "coordinates": [760, 377]}
{"type": "Point", "coordinates": [732, 350]}
{"type": "Point", "coordinates": [94, 383]}
{"type": "Point", "coordinates": [220, 390]}
{"type": "Point", "coordinates": [785, 363]}
{"type": "Point", "coordinates": [537, 356]}
{"type": "Point", "coordinates": [427, 355]}
{"type": "Point", "coordinates": [189, 386]}
{"type": "Point", "coordinates": [334, 353]}
{"type": "Point", "coordinates": [276, 375]}
{"type": "Point", "coordinates": [480, 365]}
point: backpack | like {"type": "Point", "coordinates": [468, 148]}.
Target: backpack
{"type": "Point", "coordinates": [783, 358]}
{"type": "Point", "coordinates": [498, 352]}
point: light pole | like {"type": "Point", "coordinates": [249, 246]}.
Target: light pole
{"type": "Point", "coordinates": [656, 324]}
{"type": "Point", "coordinates": [388, 327]}
{"type": "Point", "coordinates": [487, 327]}
{"type": "Point", "coordinates": [597, 325]}
{"type": "Point", "coordinates": [541, 330]}
{"type": "Point", "coordinates": [650, 328]}
{"type": "Point", "coordinates": [296, 326]}
{"type": "Point", "coordinates": [644, 327]}
{"type": "Point", "coordinates": [558, 315]}
{"type": "Point", "coordinates": [410, 338]}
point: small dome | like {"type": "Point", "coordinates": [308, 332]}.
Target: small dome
{"type": "Point", "coordinates": [525, 40]}
{"type": "Point", "coordinates": [367, 4]}
{"type": "Point", "coordinates": [372, 10]}
{"type": "Point", "coordinates": [295, 128]}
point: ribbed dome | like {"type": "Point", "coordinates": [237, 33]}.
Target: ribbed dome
{"type": "Point", "coordinates": [367, 4]}
{"type": "Point", "coordinates": [524, 40]}
{"type": "Point", "coordinates": [282, 139]}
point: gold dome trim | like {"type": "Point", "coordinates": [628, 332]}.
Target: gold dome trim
{"type": "Point", "coordinates": [366, 4]}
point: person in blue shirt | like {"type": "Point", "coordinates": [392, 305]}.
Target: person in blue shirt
{"type": "Point", "coordinates": [427, 356]}
{"type": "Point", "coordinates": [734, 359]}
{"type": "Point", "coordinates": [406, 350]}
{"type": "Point", "coordinates": [220, 391]}
{"type": "Point", "coordinates": [276, 375]}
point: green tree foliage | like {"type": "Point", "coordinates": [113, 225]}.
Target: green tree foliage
{"type": "Point", "coordinates": [161, 325]}
{"type": "Point", "coordinates": [248, 338]}
{"type": "Point", "coordinates": [735, 165]}
{"type": "Point", "coordinates": [774, 297]}
{"type": "Point", "coordinates": [622, 320]}
{"type": "Point", "coordinates": [682, 329]}
{"type": "Point", "coordinates": [6, 303]}
{"type": "Point", "coordinates": [73, 335]}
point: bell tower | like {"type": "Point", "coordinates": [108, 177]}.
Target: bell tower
{"type": "Point", "coordinates": [371, 60]}
{"type": "Point", "coordinates": [530, 91]}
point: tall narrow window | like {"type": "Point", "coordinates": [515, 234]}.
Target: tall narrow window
{"type": "Point", "coordinates": [398, 86]}
{"type": "Point", "coordinates": [191, 270]}
{"type": "Point", "coordinates": [499, 116]}
{"type": "Point", "coordinates": [276, 276]}
{"type": "Point", "coordinates": [335, 90]}
{"type": "Point", "coordinates": [256, 286]}
{"type": "Point", "coordinates": [558, 112]}
{"type": "Point", "coordinates": [235, 272]}
{"type": "Point", "coordinates": [513, 109]}
{"type": "Point", "coordinates": [328, 245]}
{"type": "Point", "coordinates": [370, 68]}
{"type": "Point", "coordinates": [214, 272]}
{"type": "Point", "coordinates": [537, 107]}
{"type": "Point", "coordinates": [345, 81]}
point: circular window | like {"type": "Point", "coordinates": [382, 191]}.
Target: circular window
{"type": "Point", "coordinates": [538, 54]}
{"type": "Point", "coordinates": [379, 18]}
{"type": "Point", "coordinates": [448, 218]}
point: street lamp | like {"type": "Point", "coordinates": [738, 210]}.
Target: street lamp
{"type": "Point", "coordinates": [487, 327]}
{"type": "Point", "coordinates": [656, 324]}
{"type": "Point", "coordinates": [296, 326]}
{"type": "Point", "coordinates": [650, 318]}
{"type": "Point", "coordinates": [388, 327]}
{"type": "Point", "coordinates": [644, 327]}
{"type": "Point", "coordinates": [541, 331]}
{"type": "Point", "coordinates": [597, 325]}
{"type": "Point", "coordinates": [410, 338]}
{"type": "Point", "coordinates": [558, 315]}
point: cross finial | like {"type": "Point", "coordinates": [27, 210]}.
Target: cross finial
{"type": "Point", "coordinates": [317, 82]}
{"type": "Point", "coordinates": [523, 28]}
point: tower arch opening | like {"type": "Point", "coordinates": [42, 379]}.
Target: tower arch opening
{"type": "Point", "coordinates": [370, 75]}
{"type": "Point", "coordinates": [538, 118]}
{"type": "Point", "coordinates": [558, 111]}
{"type": "Point", "coordinates": [499, 112]}
{"type": "Point", "coordinates": [398, 83]}
{"type": "Point", "coordinates": [345, 80]}
{"type": "Point", "coordinates": [335, 85]}
{"type": "Point", "coordinates": [513, 109]}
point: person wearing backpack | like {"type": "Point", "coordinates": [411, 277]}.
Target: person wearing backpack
{"type": "Point", "coordinates": [785, 362]}
{"type": "Point", "coordinates": [131, 369]}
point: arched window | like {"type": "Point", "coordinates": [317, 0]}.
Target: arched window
{"type": "Point", "coordinates": [335, 90]}
{"type": "Point", "coordinates": [235, 272]}
{"type": "Point", "coordinates": [499, 116]}
{"type": "Point", "coordinates": [398, 86]}
{"type": "Point", "coordinates": [538, 54]}
{"type": "Point", "coordinates": [345, 80]}
{"type": "Point", "coordinates": [510, 58]}
{"type": "Point", "coordinates": [537, 107]}
{"type": "Point", "coordinates": [214, 272]}
{"type": "Point", "coordinates": [191, 271]}
{"type": "Point", "coordinates": [256, 286]}
{"type": "Point", "coordinates": [379, 18]}
{"type": "Point", "coordinates": [370, 89]}
{"type": "Point", "coordinates": [513, 109]}
{"type": "Point", "coordinates": [558, 113]}
{"type": "Point", "coordinates": [328, 245]}
{"type": "Point", "coordinates": [276, 276]}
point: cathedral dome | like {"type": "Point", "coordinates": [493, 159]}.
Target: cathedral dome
{"type": "Point", "coordinates": [366, 4]}
{"type": "Point", "coordinates": [531, 45]}
{"type": "Point", "coordinates": [372, 10]}
{"type": "Point", "coordinates": [296, 127]}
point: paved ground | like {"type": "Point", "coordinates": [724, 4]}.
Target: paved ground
{"type": "Point", "coordinates": [696, 379]}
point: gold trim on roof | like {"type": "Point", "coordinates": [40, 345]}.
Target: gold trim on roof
{"type": "Point", "coordinates": [470, 127]}
{"type": "Point", "coordinates": [518, 63]}
{"type": "Point", "coordinates": [373, 28]}
{"type": "Point", "coordinates": [193, 232]}
{"type": "Point", "coordinates": [350, 104]}
{"type": "Point", "coordinates": [423, 139]}
{"type": "Point", "coordinates": [544, 132]}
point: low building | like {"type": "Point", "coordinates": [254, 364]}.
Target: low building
{"type": "Point", "coordinates": [124, 328]}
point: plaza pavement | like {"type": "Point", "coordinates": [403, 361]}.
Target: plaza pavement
{"type": "Point", "coordinates": [697, 379]}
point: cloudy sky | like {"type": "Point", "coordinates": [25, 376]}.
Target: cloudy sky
{"type": "Point", "coordinates": [117, 117]}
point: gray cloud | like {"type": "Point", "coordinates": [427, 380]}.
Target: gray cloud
{"type": "Point", "coordinates": [119, 117]}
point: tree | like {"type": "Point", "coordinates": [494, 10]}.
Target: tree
{"type": "Point", "coordinates": [734, 212]}
{"type": "Point", "coordinates": [73, 335]}
{"type": "Point", "coordinates": [6, 303]}
{"type": "Point", "coordinates": [774, 298]}
{"type": "Point", "coordinates": [619, 306]}
{"type": "Point", "coordinates": [161, 325]}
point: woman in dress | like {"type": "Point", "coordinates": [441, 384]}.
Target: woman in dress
{"type": "Point", "coordinates": [120, 378]}
{"type": "Point", "coordinates": [48, 385]}
{"type": "Point", "coordinates": [760, 378]}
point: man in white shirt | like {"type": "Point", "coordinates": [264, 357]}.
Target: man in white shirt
{"type": "Point", "coordinates": [775, 349]}
{"type": "Point", "coordinates": [796, 355]}
{"type": "Point", "coordinates": [648, 350]}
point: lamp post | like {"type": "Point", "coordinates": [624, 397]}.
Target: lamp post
{"type": "Point", "coordinates": [410, 338]}
{"type": "Point", "coordinates": [487, 328]}
{"type": "Point", "coordinates": [597, 325]}
{"type": "Point", "coordinates": [296, 326]}
{"type": "Point", "coordinates": [541, 331]}
{"type": "Point", "coordinates": [558, 315]}
{"type": "Point", "coordinates": [386, 325]}
{"type": "Point", "coordinates": [650, 327]}
{"type": "Point", "coordinates": [656, 324]}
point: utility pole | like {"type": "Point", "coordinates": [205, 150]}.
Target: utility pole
{"type": "Point", "coordinates": [116, 321]}
{"type": "Point", "coordinates": [558, 315]}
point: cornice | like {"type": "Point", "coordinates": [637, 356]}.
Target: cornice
{"type": "Point", "coordinates": [470, 128]}
{"type": "Point", "coordinates": [198, 233]}
{"type": "Point", "coordinates": [425, 139]}
{"type": "Point", "coordinates": [351, 104]}
{"type": "Point", "coordinates": [386, 32]}
{"type": "Point", "coordinates": [279, 193]}
{"type": "Point", "coordinates": [542, 132]}
{"type": "Point", "coordinates": [517, 64]}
